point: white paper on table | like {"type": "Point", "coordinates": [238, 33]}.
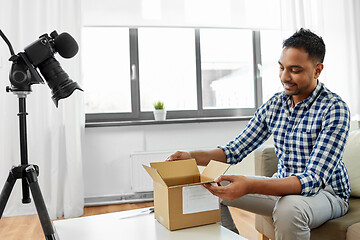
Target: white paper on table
{"type": "Point", "coordinates": [198, 199]}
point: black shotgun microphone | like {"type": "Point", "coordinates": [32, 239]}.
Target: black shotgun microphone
{"type": "Point", "coordinates": [65, 45]}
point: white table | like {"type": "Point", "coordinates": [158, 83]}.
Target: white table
{"type": "Point", "coordinates": [134, 224]}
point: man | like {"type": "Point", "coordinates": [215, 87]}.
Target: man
{"type": "Point", "coordinates": [310, 126]}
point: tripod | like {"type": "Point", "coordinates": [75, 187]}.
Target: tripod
{"type": "Point", "coordinates": [28, 174]}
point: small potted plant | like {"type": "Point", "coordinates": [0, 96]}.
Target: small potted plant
{"type": "Point", "coordinates": [159, 111]}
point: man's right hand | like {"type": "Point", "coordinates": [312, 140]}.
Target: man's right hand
{"type": "Point", "coordinates": [179, 155]}
{"type": "Point", "coordinates": [202, 157]}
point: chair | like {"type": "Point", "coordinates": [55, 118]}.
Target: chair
{"type": "Point", "coordinates": [346, 227]}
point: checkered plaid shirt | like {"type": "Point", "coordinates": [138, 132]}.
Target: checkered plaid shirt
{"type": "Point", "coordinates": [309, 139]}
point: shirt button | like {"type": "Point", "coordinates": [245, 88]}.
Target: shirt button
{"type": "Point", "coordinates": [287, 152]}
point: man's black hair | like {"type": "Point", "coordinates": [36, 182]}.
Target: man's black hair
{"type": "Point", "coordinates": [309, 41]}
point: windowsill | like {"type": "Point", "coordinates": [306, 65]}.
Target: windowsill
{"type": "Point", "coordinates": [167, 121]}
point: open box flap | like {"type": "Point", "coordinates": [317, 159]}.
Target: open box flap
{"type": "Point", "coordinates": [154, 174]}
{"type": "Point", "coordinates": [213, 170]}
{"type": "Point", "coordinates": [191, 184]}
{"type": "Point", "coordinates": [178, 172]}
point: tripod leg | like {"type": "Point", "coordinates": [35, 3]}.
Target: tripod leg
{"type": "Point", "coordinates": [26, 194]}
{"type": "Point", "coordinates": [6, 191]}
{"type": "Point", "coordinates": [45, 221]}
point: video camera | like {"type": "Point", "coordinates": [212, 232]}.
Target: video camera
{"type": "Point", "coordinates": [40, 54]}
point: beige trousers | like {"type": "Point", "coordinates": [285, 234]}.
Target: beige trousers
{"type": "Point", "coordinates": [294, 215]}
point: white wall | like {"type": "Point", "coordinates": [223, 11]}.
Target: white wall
{"type": "Point", "coordinates": [107, 149]}
{"type": "Point", "coordinates": [183, 13]}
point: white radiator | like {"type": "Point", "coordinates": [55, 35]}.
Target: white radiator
{"type": "Point", "coordinates": [140, 179]}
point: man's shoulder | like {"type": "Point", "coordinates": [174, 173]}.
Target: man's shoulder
{"type": "Point", "coordinates": [272, 106]}
{"type": "Point", "coordinates": [330, 98]}
{"type": "Point", "coordinates": [333, 106]}
{"type": "Point", "coordinates": [276, 98]}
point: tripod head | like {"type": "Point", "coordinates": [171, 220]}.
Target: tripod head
{"type": "Point", "coordinates": [40, 55]}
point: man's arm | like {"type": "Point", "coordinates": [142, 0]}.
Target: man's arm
{"type": "Point", "coordinates": [241, 185]}
{"type": "Point", "coordinates": [202, 157]}
{"type": "Point", "coordinates": [254, 134]}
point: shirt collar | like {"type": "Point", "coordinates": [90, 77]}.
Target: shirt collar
{"type": "Point", "coordinates": [308, 101]}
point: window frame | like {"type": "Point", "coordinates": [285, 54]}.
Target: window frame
{"type": "Point", "coordinates": [200, 113]}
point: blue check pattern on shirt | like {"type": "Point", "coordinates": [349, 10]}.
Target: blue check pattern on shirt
{"type": "Point", "coordinates": [309, 140]}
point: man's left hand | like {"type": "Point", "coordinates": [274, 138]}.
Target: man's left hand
{"type": "Point", "coordinates": [237, 187]}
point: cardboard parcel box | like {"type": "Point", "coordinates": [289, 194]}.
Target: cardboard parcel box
{"type": "Point", "coordinates": [179, 198]}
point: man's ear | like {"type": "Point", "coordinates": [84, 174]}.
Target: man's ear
{"type": "Point", "coordinates": [319, 67]}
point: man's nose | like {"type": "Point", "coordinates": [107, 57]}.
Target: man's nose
{"type": "Point", "coordinates": [285, 75]}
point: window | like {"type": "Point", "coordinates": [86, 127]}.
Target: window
{"type": "Point", "coordinates": [271, 46]}
{"type": "Point", "coordinates": [167, 68]}
{"type": "Point", "coordinates": [106, 61]}
{"type": "Point", "coordinates": [227, 68]}
{"type": "Point", "coordinates": [196, 72]}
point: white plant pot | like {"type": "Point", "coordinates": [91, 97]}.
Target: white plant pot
{"type": "Point", "coordinates": [160, 115]}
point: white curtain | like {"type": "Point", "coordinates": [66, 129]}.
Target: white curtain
{"type": "Point", "coordinates": [54, 134]}
{"type": "Point", "coordinates": [338, 22]}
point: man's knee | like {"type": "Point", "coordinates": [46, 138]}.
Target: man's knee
{"type": "Point", "coordinates": [290, 213]}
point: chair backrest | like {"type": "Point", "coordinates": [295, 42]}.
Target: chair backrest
{"type": "Point", "coordinates": [266, 161]}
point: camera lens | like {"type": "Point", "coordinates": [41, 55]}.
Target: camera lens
{"type": "Point", "coordinates": [59, 82]}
